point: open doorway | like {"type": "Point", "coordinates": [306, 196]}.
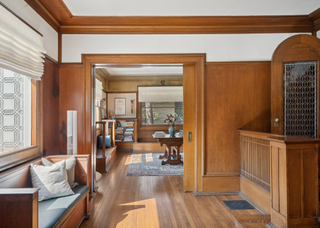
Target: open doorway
{"type": "Point", "coordinates": [193, 83]}
{"type": "Point", "coordinates": [146, 103]}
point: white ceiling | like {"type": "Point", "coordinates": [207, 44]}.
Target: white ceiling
{"type": "Point", "coordinates": [190, 7]}
{"type": "Point", "coordinates": [144, 70]}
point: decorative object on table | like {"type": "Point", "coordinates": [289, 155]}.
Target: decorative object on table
{"type": "Point", "coordinates": [120, 106]}
{"type": "Point", "coordinates": [171, 119]}
{"type": "Point", "coordinates": [158, 134]}
{"type": "Point", "coordinates": [180, 134]}
{"type": "Point", "coordinates": [149, 164]}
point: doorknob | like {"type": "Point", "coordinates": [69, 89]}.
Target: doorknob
{"type": "Point", "coordinates": [276, 122]}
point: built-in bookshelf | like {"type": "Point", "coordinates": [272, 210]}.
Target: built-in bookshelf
{"type": "Point", "coordinates": [127, 132]}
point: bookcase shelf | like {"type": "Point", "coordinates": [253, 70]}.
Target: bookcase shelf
{"type": "Point", "coordinates": [127, 133]}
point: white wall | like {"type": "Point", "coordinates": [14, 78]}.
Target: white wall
{"type": "Point", "coordinates": [234, 47]}
{"type": "Point", "coordinates": [50, 36]}
{"type": "Point", "coordinates": [318, 34]}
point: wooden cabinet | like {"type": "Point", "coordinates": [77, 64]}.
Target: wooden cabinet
{"type": "Point", "coordinates": [294, 181]}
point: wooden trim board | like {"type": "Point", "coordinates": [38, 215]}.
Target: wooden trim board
{"type": "Point", "coordinates": [258, 195]}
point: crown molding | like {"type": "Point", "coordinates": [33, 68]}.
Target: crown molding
{"type": "Point", "coordinates": [315, 16]}
{"type": "Point", "coordinates": [52, 11]}
{"type": "Point", "coordinates": [187, 25]}
{"type": "Point", "coordinates": [57, 14]}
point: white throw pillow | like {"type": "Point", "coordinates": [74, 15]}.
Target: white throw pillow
{"type": "Point", "coordinates": [52, 180]}
{"type": "Point", "coordinates": [70, 166]}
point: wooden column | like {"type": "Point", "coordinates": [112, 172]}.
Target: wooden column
{"type": "Point", "coordinates": [19, 207]}
{"type": "Point", "coordinates": [294, 182]}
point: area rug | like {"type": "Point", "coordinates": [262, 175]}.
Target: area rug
{"type": "Point", "coordinates": [150, 165]}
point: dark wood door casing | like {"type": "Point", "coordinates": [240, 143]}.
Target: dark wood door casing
{"type": "Point", "coordinates": [299, 48]}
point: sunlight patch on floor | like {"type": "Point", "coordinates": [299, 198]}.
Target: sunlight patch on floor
{"type": "Point", "coordinates": [145, 215]}
{"type": "Point", "coordinates": [137, 158]}
{"type": "Point", "coordinates": [149, 157]}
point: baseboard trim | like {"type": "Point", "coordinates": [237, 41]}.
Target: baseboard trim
{"type": "Point", "coordinates": [215, 193]}
{"type": "Point", "coordinates": [270, 225]}
{"type": "Point", "coordinates": [261, 211]}
{"type": "Point", "coordinates": [109, 166]}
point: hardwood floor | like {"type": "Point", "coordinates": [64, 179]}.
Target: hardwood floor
{"type": "Point", "coordinates": [154, 201]}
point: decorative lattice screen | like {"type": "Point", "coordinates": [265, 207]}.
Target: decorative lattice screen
{"type": "Point", "coordinates": [300, 99]}
{"type": "Point", "coordinates": [11, 110]}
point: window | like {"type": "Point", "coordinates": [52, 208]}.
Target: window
{"type": "Point", "coordinates": [19, 125]}
{"type": "Point", "coordinates": [154, 113]}
{"type": "Point", "coordinates": [15, 107]}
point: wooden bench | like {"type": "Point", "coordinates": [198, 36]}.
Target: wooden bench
{"type": "Point", "coordinates": [19, 201]}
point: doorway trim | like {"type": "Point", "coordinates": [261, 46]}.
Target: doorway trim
{"type": "Point", "coordinates": [194, 70]}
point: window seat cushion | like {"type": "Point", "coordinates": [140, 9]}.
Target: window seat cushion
{"type": "Point", "coordinates": [53, 211]}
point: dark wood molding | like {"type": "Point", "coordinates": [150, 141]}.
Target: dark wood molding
{"type": "Point", "coordinates": [187, 25]}
{"type": "Point", "coordinates": [45, 13]}
{"type": "Point", "coordinates": [315, 16]}
{"type": "Point", "coordinates": [20, 18]}
{"type": "Point", "coordinates": [51, 60]}
{"type": "Point", "coordinates": [57, 14]}
{"type": "Point", "coordinates": [60, 47]}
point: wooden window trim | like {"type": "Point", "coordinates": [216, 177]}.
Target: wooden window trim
{"type": "Point", "coordinates": [151, 127]}
{"type": "Point", "coordinates": [13, 158]}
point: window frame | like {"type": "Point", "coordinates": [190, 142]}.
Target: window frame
{"type": "Point", "coordinates": [16, 157]}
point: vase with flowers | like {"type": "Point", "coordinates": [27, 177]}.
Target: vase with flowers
{"type": "Point", "coordinates": [171, 119]}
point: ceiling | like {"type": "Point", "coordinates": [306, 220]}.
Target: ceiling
{"type": "Point", "coordinates": [158, 70]}
{"type": "Point", "coordinates": [191, 7]}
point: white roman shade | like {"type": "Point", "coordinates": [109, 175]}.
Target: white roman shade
{"type": "Point", "coordinates": [21, 47]}
{"type": "Point", "coordinates": [160, 94]}
{"type": "Point", "coordinates": [99, 90]}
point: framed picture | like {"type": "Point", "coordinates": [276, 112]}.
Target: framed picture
{"type": "Point", "coordinates": [120, 106]}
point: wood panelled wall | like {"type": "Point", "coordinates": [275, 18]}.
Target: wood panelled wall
{"type": "Point", "coordinates": [126, 84]}
{"type": "Point", "coordinates": [237, 97]}
{"type": "Point", "coordinates": [50, 85]}
{"type": "Point", "coordinates": [72, 92]}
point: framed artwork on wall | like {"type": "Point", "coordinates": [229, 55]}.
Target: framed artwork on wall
{"type": "Point", "coordinates": [120, 106]}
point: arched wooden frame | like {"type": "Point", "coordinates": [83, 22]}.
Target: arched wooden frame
{"type": "Point", "coordinates": [194, 90]}
{"type": "Point", "coordinates": [298, 48]}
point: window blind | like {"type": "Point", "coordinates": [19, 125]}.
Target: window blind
{"type": "Point", "coordinates": [21, 47]}
{"type": "Point", "coordinates": [160, 94]}
{"type": "Point", "coordinates": [99, 90]}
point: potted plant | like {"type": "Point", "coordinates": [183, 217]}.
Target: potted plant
{"type": "Point", "coordinates": [171, 119]}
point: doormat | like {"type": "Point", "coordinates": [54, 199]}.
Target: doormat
{"type": "Point", "coordinates": [238, 205]}
{"type": "Point", "coordinates": [149, 164]}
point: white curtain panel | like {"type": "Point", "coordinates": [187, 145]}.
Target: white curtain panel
{"type": "Point", "coordinates": [99, 89]}
{"type": "Point", "coordinates": [21, 47]}
{"type": "Point", "coordinates": [160, 94]}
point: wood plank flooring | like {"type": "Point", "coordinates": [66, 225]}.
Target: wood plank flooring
{"type": "Point", "coordinates": [154, 201]}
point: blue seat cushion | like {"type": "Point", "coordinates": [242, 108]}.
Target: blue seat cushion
{"type": "Point", "coordinates": [108, 143]}
{"type": "Point", "coordinates": [52, 211]}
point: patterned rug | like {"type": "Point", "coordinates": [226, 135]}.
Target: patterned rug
{"type": "Point", "coordinates": [150, 165]}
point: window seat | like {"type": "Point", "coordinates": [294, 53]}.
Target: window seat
{"type": "Point", "coordinates": [19, 201]}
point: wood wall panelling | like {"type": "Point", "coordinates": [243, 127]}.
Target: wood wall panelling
{"type": "Point", "coordinates": [125, 84]}
{"type": "Point", "coordinates": [258, 195]}
{"type": "Point", "coordinates": [187, 25]}
{"type": "Point", "coordinates": [315, 16]}
{"type": "Point", "coordinates": [294, 179]}
{"type": "Point", "coordinates": [237, 97]}
{"type": "Point", "coordinates": [50, 84]}
{"type": "Point", "coordinates": [72, 92]}
{"type": "Point", "coordinates": [221, 184]}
